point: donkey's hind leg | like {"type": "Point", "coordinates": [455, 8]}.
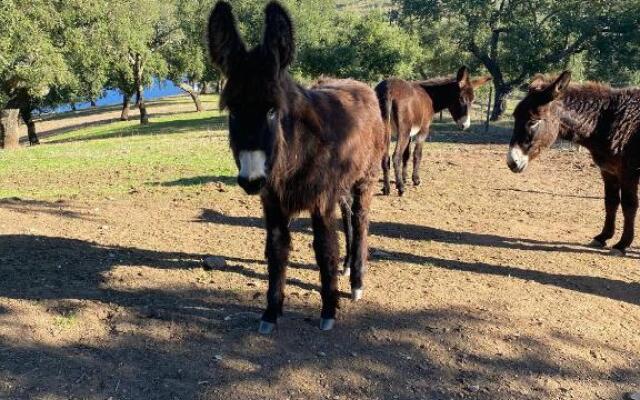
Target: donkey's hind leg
{"type": "Point", "coordinates": [417, 155]}
{"type": "Point", "coordinates": [401, 146]}
{"type": "Point", "coordinates": [346, 202]}
{"type": "Point", "coordinates": [405, 162]}
{"type": "Point", "coordinates": [629, 210]}
{"type": "Point", "coordinates": [612, 203]}
{"type": "Point", "coordinates": [325, 246]}
{"type": "Point", "coordinates": [362, 194]}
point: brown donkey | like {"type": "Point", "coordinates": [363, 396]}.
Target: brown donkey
{"type": "Point", "coordinates": [604, 120]}
{"type": "Point", "coordinates": [408, 108]}
{"type": "Point", "coordinates": [299, 149]}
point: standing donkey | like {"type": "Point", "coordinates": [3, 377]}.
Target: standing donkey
{"type": "Point", "coordinates": [299, 149]}
{"type": "Point", "coordinates": [606, 121]}
{"type": "Point", "coordinates": [408, 108]}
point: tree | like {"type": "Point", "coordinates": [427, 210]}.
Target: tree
{"type": "Point", "coordinates": [368, 48]}
{"type": "Point", "coordinates": [139, 30]}
{"type": "Point", "coordinates": [31, 61]}
{"type": "Point", "coordinates": [516, 39]}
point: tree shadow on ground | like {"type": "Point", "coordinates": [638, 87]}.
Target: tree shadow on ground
{"type": "Point", "coordinates": [154, 128]}
{"type": "Point", "coordinates": [57, 208]}
{"type": "Point", "coordinates": [199, 181]}
{"type": "Point", "coordinates": [397, 230]}
{"type": "Point", "coordinates": [552, 194]}
{"type": "Point", "coordinates": [199, 343]}
{"type": "Point", "coordinates": [628, 292]}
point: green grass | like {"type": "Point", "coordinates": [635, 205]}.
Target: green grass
{"type": "Point", "coordinates": [176, 152]}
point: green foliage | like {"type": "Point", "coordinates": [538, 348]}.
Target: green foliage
{"type": "Point", "coordinates": [515, 40]}
{"type": "Point", "coordinates": [368, 48]}
{"type": "Point", "coordinates": [31, 59]}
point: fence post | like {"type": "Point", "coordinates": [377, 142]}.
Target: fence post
{"type": "Point", "coordinates": [486, 124]}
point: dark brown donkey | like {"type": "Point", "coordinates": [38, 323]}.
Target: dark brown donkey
{"type": "Point", "coordinates": [299, 149]}
{"type": "Point", "coordinates": [408, 108]}
{"type": "Point", "coordinates": [604, 120]}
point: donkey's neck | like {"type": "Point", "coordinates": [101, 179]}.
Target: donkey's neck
{"type": "Point", "coordinates": [440, 94]}
{"type": "Point", "coordinates": [580, 111]}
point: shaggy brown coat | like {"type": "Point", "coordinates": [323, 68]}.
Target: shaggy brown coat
{"type": "Point", "coordinates": [316, 146]}
{"type": "Point", "coordinates": [604, 120]}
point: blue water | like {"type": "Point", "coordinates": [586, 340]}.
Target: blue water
{"type": "Point", "coordinates": [112, 97]}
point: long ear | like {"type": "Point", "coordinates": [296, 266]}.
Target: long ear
{"type": "Point", "coordinates": [463, 76]}
{"type": "Point", "coordinates": [278, 35]}
{"type": "Point", "coordinates": [476, 83]}
{"type": "Point", "coordinates": [225, 44]}
{"type": "Point", "coordinates": [560, 85]}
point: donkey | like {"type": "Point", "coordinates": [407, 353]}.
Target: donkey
{"type": "Point", "coordinates": [605, 121]}
{"type": "Point", "coordinates": [408, 108]}
{"type": "Point", "coordinates": [300, 149]}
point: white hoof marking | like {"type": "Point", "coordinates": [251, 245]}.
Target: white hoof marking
{"type": "Point", "coordinates": [327, 324]}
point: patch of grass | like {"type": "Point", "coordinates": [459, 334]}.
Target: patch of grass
{"type": "Point", "coordinates": [121, 157]}
{"type": "Point", "coordinates": [65, 322]}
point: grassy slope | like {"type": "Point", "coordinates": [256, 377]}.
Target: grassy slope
{"type": "Point", "coordinates": [117, 158]}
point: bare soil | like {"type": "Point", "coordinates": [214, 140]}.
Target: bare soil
{"type": "Point", "coordinates": [480, 286]}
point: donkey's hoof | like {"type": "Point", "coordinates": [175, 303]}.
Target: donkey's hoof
{"type": "Point", "coordinates": [327, 324]}
{"type": "Point", "coordinates": [266, 328]}
{"type": "Point", "coordinates": [617, 252]}
{"type": "Point", "coordinates": [400, 192]}
{"type": "Point", "coordinates": [356, 294]}
{"type": "Point", "coordinates": [417, 182]}
{"type": "Point", "coordinates": [598, 244]}
{"type": "Point", "coordinates": [386, 191]}
{"type": "Point", "coordinates": [346, 272]}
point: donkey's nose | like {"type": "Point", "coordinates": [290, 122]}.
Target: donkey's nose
{"type": "Point", "coordinates": [464, 123]}
{"type": "Point", "coordinates": [516, 159]}
{"type": "Point", "coordinates": [253, 186]}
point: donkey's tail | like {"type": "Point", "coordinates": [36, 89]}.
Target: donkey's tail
{"type": "Point", "coordinates": [387, 112]}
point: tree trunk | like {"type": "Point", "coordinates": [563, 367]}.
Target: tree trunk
{"type": "Point", "coordinates": [144, 116]}
{"type": "Point", "coordinates": [500, 102]}
{"type": "Point", "coordinates": [31, 126]}
{"type": "Point", "coordinates": [126, 106]}
{"type": "Point", "coordinates": [9, 136]}
{"type": "Point", "coordinates": [138, 72]}
{"type": "Point", "coordinates": [93, 103]}
{"type": "Point", "coordinates": [74, 108]}
{"type": "Point", "coordinates": [194, 95]}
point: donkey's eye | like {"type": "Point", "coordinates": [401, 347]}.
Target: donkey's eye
{"type": "Point", "coordinates": [272, 114]}
{"type": "Point", "coordinates": [534, 125]}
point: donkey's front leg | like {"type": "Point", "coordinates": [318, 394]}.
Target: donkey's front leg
{"type": "Point", "coordinates": [325, 245]}
{"type": "Point", "coordinates": [611, 204]}
{"type": "Point", "coordinates": [362, 194]}
{"type": "Point", "coordinates": [629, 209]}
{"type": "Point", "coordinates": [277, 252]}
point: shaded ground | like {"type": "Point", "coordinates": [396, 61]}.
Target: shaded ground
{"type": "Point", "coordinates": [479, 285]}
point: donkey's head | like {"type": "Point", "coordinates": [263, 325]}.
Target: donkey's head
{"type": "Point", "coordinates": [253, 93]}
{"type": "Point", "coordinates": [537, 121]}
{"type": "Point", "coordinates": [462, 97]}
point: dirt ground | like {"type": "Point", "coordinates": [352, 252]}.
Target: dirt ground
{"type": "Point", "coordinates": [480, 286]}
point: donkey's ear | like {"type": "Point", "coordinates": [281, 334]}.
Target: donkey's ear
{"type": "Point", "coordinates": [560, 85]}
{"type": "Point", "coordinates": [278, 35]}
{"type": "Point", "coordinates": [476, 83]}
{"type": "Point", "coordinates": [463, 76]}
{"type": "Point", "coordinates": [225, 44]}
